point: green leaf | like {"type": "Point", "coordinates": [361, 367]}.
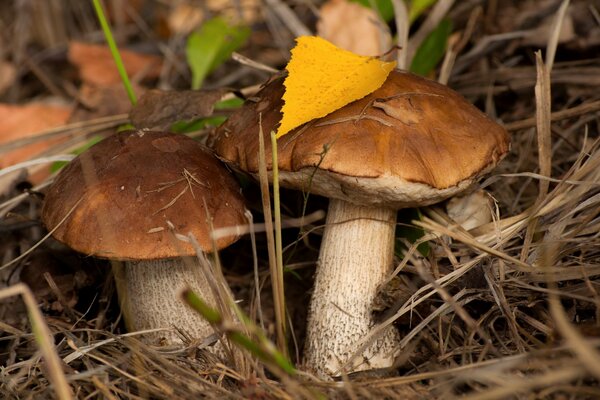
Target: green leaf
{"type": "Point", "coordinates": [229, 104]}
{"type": "Point", "coordinates": [215, 120]}
{"type": "Point", "coordinates": [196, 125]}
{"type": "Point", "coordinates": [432, 49]}
{"type": "Point", "coordinates": [125, 127]}
{"type": "Point", "coordinates": [384, 8]}
{"type": "Point", "coordinates": [417, 7]}
{"type": "Point", "coordinates": [59, 164]}
{"type": "Point", "coordinates": [209, 47]}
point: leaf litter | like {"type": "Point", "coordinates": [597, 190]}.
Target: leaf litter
{"type": "Point", "coordinates": [493, 313]}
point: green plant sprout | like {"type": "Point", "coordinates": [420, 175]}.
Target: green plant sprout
{"type": "Point", "coordinates": [260, 347]}
{"type": "Point", "coordinates": [212, 44]}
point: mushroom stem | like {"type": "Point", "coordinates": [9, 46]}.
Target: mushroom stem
{"type": "Point", "coordinates": [356, 257]}
{"type": "Point", "coordinates": [149, 296]}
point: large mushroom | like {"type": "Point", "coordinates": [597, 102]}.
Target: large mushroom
{"type": "Point", "coordinates": [412, 142]}
{"type": "Point", "coordinates": [125, 199]}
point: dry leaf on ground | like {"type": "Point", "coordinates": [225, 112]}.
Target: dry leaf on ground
{"type": "Point", "coordinates": [103, 101]}
{"type": "Point", "coordinates": [159, 110]}
{"type": "Point", "coordinates": [20, 121]}
{"type": "Point", "coordinates": [323, 78]}
{"type": "Point", "coordinates": [237, 12]}
{"type": "Point", "coordinates": [184, 18]}
{"type": "Point", "coordinates": [8, 73]}
{"type": "Point", "coordinates": [353, 27]}
{"type": "Point", "coordinates": [97, 67]}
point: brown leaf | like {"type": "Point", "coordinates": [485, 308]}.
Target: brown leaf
{"type": "Point", "coordinates": [23, 121]}
{"type": "Point", "coordinates": [158, 109]}
{"type": "Point", "coordinates": [8, 73]}
{"type": "Point", "coordinates": [96, 65]}
{"type": "Point", "coordinates": [103, 101]}
{"type": "Point", "coordinates": [353, 27]}
{"type": "Point", "coordinates": [184, 18]}
{"type": "Point", "coordinates": [238, 12]}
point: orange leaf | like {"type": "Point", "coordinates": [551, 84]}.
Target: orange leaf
{"type": "Point", "coordinates": [97, 67]}
{"type": "Point", "coordinates": [19, 122]}
{"type": "Point", "coordinates": [323, 78]}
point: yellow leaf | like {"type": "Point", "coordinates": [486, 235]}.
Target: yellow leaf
{"type": "Point", "coordinates": [323, 78]}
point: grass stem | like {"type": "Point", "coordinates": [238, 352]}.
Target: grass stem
{"type": "Point", "coordinates": [114, 51]}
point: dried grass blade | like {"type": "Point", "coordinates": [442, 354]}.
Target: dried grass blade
{"type": "Point", "coordinates": [581, 109]}
{"type": "Point", "coordinates": [543, 113]}
{"type": "Point", "coordinates": [42, 334]}
{"type": "Point", "coordinates": [266, 203]}
{"type": "Point", "coordinates": [402, 28]}
{"type": "Point", "coordinates": [587, 354]}
{"type": "Point", "coordinates": [280, 301]}
{"type": "Point", "coordinates": [555, 34]}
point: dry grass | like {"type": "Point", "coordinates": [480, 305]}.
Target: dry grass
{"type": "Point", "coordinates": [510, 309]}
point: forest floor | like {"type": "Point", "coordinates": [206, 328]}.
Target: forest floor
{"type": "Point", "coordinates": [508, 309]}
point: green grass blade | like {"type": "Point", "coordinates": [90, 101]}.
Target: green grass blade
{"type": "Point", "coordinates": [260, 346]}
{"type": "Point", "coordinates": [115, 51]}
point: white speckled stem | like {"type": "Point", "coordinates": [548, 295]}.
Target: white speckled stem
{"type": "Point", "coordinates": [356, 257]}
{"type": "Point", "coordinates": [149, 295]}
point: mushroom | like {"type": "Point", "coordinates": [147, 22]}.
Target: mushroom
{"type": "Point", "coordinates": [412, 142]}
{"type": "Point", "coordinates": [124, 199]}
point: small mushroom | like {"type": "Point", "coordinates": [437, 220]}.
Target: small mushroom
{"type": "Point", "coordinates": [125, 199]}
{"type": "Point", "coordinates": [412, 142]}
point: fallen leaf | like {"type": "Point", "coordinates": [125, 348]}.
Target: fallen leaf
{"type": "Point", "coordinates": [384, 8]}
{"type": "Point", "coordinates": [184, 18]}
{"type": "Point", "coordinates": [237, 12]}
{"type": "Point", "coordinates": [353, 27]}
{"type": "Point", "coordinates": [8, 73]}
{"type": "Point", "coordinates": [97, 67]}
{"type": "Point", "coordinates": [22, 121]}
{"type": "Point", "coordinates": [102, 101]}
{"type": "Point", "coordinates": [159, 110]}
{"type": "Point", "coordinates": [471, 210]}
{"type": "Point", "coordinates": [323, 78]}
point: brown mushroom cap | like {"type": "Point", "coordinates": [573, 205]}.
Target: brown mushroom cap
{"type": "Point", "coordinates": [131, 191]}
{"type": "Point", "coordinates": [411, 142]}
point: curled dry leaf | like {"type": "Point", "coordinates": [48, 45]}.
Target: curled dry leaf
{"type": "Point", "coordinates": [471, 210]}
{"type": "Point", "coordinates": [97, 67]}
{"type": "Point", "coordinates": [353, 27]}
{"type": "Point", "coordinates": [159, 109]}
